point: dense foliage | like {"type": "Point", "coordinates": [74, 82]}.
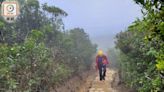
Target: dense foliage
{"type": "Point", "coordinates": [37, 53]}
{"type": "Point", "coordinates": [142, 49]}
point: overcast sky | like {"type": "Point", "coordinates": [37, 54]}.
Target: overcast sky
{"type": "Point", "coordinates": [101, 19]}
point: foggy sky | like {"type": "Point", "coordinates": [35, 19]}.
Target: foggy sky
{"type": "Point", "coordinates": [101, 19]}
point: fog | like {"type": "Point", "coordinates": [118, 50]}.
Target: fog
{"type": "Point", "coordinates": [101, 19]}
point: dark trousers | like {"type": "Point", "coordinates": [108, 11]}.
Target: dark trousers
{"type": "Point", "coordinates": [102, 72]}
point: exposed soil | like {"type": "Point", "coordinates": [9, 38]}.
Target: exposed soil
{"type": "Point", "coordinates": [89, 82]}
{"type": "Point", "coordinates": [76, 83]}
{"type": "Point", "coordinates": [103, 86]}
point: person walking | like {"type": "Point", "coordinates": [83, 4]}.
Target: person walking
{"type": "Point", "coordinates": [101, 62]}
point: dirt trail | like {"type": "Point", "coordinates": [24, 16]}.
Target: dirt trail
{"type": "Point", "coordinates": [95, 85]}
{"type": "Point", "coordinates": [89, 82]}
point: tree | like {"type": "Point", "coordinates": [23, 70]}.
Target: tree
{"type": "Point", "coordinates": [37, 53]}
{"type": "Point", "coordinates": [142, 49]}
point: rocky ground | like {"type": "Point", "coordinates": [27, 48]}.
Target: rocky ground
{"type": "Point", "coordinates": [89, 82]}
{"type": "Point", "coordinates": [101, 86]}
